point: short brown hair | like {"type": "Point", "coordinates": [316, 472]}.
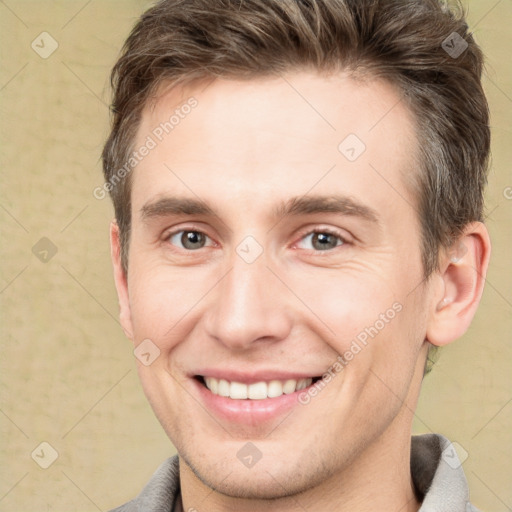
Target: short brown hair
{"type": "Point", "coordinates": [421, 46]}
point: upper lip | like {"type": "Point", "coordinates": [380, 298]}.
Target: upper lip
{"type": "Point", "coordinates": [252, 376]}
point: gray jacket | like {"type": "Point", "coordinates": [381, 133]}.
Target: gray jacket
{"type": "Point", "coordinates": [435, 468]}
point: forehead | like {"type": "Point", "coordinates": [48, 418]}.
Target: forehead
{"type": "Point", "coordinates": [276, 136]}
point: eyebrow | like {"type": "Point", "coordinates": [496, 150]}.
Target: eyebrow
{"type": "Point", "coordinates": [303, 205]}
{"type": "Point", "coordinates": [175, 206]}
{"type": "Point", "coordinates": [343, 205]}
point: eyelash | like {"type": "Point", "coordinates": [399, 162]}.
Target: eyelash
{"type": "Point", "coordinates": [328, 231]}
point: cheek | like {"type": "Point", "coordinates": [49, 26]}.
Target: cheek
{"type": "Point", "coordinates": [348, 303]}
{"type": "Point", "coordinates": [163, 299]}
{"type": "Point", "coordinates": [394, 343]}
{"type": "Point", "coordinates": [373, 322]}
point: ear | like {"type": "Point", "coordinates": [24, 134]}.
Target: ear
{"type": "Point", "coordinates": [121, 281]}
{"type": "Point", "coordinates": [458, 285]}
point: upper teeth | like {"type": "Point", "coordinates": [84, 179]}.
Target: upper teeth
{"type": "Point", "coordinates": [256, 391]}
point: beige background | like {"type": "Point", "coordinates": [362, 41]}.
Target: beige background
{"type": "Point", "coordinates": [67, 373]}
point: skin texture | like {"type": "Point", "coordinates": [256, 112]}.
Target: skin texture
{"type": "Point", "coordinates": [248, 147]}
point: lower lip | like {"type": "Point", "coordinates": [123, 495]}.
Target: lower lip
{"type": "Point", "coordinates": [248, 412]}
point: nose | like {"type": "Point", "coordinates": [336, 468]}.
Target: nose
{"type": "Point", "coordinates": [248, 306]}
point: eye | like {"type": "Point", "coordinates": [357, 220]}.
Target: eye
{"type": "Point", "coordinates": [189, 240]}
{"type": "Point", "coordinates": [321, 241]}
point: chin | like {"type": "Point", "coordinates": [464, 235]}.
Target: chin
{"type": "Point", "coordinates": [267, 480]}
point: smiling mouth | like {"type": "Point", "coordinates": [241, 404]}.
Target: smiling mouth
{"type": "Point", "coordinates": [257, 390]}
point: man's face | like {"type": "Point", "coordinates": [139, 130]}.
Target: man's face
{"type": "Point", "coordinates": [261, 250]}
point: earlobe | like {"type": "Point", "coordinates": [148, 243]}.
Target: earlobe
{"type": "Point", "coordinates": [120, 279]}
{"type": "Point", "coordinates": [462, 271]}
